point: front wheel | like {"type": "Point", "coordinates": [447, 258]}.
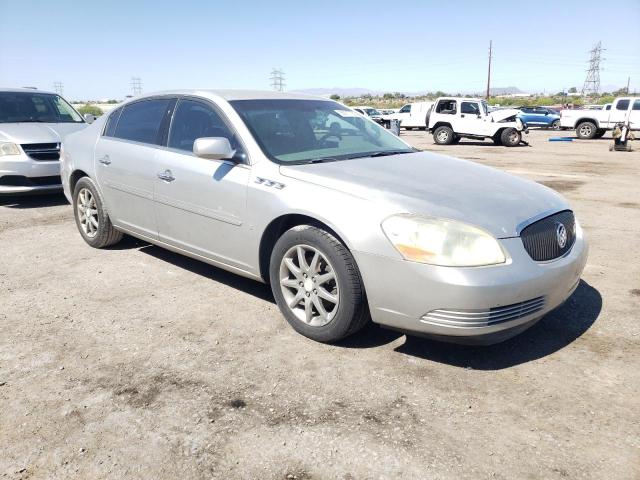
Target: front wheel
{"type": "Point", "coordinates": [510, 137]}
{"type": "Point", "coordinates": [91, 218]}
{"type": "Point", "coordinates": [443, 135]}
{"type": "Point", "coordinates": [317, 284]}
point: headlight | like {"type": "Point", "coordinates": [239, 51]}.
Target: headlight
{"type": "Point", "coordinates": [442, 242]}
{"type": "Point", "coordinates": [9, 148]}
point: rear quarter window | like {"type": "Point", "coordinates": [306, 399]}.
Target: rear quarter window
{"type": "Point", "coordinates": [112, 121]}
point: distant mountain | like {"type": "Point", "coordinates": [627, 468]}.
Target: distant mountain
{"type": "Point", "coordinates": [357, 92]}
{"type": "Point", "coordinates": [343, 92]}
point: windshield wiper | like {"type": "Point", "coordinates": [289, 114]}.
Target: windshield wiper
{"type": "Point", "coordinates": [386, 153]}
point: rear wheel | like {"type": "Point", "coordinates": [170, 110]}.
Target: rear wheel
{"type": "Point", "coordinates": [91, 219]}
{"type": "Point", "coordinates": [586, 130]}
{"type": "Point", "coordinates": [510, 137]}
{"type": "Point", "coordinates": [443, 135]}
{"type": "Point", "coordinates": [317, 285]}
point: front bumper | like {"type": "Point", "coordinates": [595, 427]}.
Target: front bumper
{"type": "Point", "coordinates": [21, 174]}
{"type": "Point", "coordinates": [471, 304]}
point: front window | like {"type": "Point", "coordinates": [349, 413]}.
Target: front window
{"type": "Point", "coordinates": [19, 107]}
{"type": "Point", "coordinates": [304, 131]}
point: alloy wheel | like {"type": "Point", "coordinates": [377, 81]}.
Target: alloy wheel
{"type": "Point", "coordinates": [585, 130]}
{"type": "Point", "coordinates": [443, 136]}
{"type": "Point", "coordinates": [87, 212]}
{"type": "Point", "coordinates": [309, 285]}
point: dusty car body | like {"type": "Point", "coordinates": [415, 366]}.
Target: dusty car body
{"type": "Point", "coordinates": [343, 219]}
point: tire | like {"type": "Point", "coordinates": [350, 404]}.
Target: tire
{"type": "Point", "coordinates": [496, 140]}
{"type": "Point", "coordinates": [555, 125]}
{"type": "Point", "coordinates": [510, 137]}
{"type": "Point", "coordinates": [443, 135]}
{"type": "Point", "coordinates": [586, 130]}
{"type": "Point", "coordinates": [600, 133]}
{"type": "Point", "coordinates": [342, 318]}
{"type": "Point", "coordinates": [86, 194]}
{"type": "Point", "coordinates": [456, 140]}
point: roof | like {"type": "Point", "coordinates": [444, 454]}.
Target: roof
{"type": "Point", "coordinates": [230, 95]}
{"type": "Point", "coordinates": [25, 89]}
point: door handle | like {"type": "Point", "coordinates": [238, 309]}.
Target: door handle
{"type": "Point", "coordinates": [105, 160]}
{"type": "Point", "coordinates": [167, 176]}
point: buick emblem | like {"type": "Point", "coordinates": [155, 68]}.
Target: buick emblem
{"type": "Point", "coordinates": [561, 235]}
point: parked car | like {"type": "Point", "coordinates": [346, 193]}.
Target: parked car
{"type": "Point", "coordinates": [412, 115]}
{"type": "Point", "coordinates": [453, 118]}
{"type": "Point", "coordinates": [32, 126]}
{"type": "Point", "coordinates": [370, 112]}
{"type": "Point", "coordinates": [539, 117]}
{"type": "Point", "coordinates": [595, 123]}
{"type": "Point", "coordinates": [345, 220]}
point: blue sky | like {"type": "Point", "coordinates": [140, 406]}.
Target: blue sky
{"type": "Point", "coordinates": [95, 48]}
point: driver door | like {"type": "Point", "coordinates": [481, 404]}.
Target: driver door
{"type": "Point", "coordinates": [472, 120]}
{"type": "Point", "coordinates": [201, 203]}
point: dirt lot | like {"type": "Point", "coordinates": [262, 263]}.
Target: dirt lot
{"type": "Point", "coordinates": [135, 362]}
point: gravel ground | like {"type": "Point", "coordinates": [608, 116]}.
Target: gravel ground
{"type": "Point", "coordinates": [134, 362]}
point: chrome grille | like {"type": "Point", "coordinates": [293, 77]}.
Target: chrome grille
{"type": "Point", "coordinates": [540, 239]}
{"type": "Point", "coordinates": [42, 151]}
{"type": "Point", "coordinates": [484, 318]}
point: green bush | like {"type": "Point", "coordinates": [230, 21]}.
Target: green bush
{"type": "Point", "coordinates": [92, 109]}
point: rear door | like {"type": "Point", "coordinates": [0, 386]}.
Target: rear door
{"type": "Point", "coordinates": [619, 111]}
{"type": "Point", "coordinates": [125, 157]}
{"type": "Point", "coordinates": [201, 203]}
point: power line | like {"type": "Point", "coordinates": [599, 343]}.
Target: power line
{"type": "Point", "coordinates": [489, 72]}
{"type": "Point", "coordinates": [136, 86]}
{"type": "Point", "coordinates": [592, 82]}
{"type": "Point", "coordinates": [277, 79]}
{"type": "Point", "coordinates": [58, 87]}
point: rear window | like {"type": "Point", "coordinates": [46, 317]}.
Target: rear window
{"type": "Point", "coordinates": [140, 121]}
{"type": "Point", "coordinates": [636, 105]}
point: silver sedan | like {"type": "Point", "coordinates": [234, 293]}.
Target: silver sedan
{"type": "Point", "coordinates": [346, 221]}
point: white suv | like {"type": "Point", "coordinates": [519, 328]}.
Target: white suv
{"type": "Point", "coordinates": [454, 118]}
{"type": "Point", "coordinates": [32, 126]}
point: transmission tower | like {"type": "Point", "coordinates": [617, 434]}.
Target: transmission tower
{"type": "Point", "coordinates": [136, 86]}
{"type": "Point", "coordinates": [58, 88]}
{"type": "Point", "coordinates": [277, 79]}
{"type": "Point", "coordinates": [592, 82]}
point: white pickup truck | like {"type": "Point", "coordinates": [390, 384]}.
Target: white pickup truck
{"type": "Point", "coordinates": [454, 118]}
{"type": "Point", "coordinates": [594, 123]}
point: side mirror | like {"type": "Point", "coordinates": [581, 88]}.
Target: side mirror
{"type": "Point", "coordinates": [213, 148]}
{"type": "Point", "coordinates": [89, 118]}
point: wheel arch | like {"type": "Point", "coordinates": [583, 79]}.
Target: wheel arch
{"type": "Point", "coordinates": [76, 175]}
{"type": "Point", "coordinates": [281, 224]}
{"type": "Point", "coordinates": [587, 119]}
{"type": "Point", "coordinates": [441, 124]}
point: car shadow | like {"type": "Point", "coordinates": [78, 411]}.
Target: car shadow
{"type": "Point", "coordinates": [554, 332]}
{"type": "Point", "coordinates": [42, 200]}
{"type": "Point", "coordinates": [252, 287]}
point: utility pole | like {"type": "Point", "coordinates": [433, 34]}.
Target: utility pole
{"type": "Point", "coordinates": [489, 73]}
{"type": "Point", "coordinates": [277, 79]}
{"type": "Point", "coordinates": [58, 88]}
{"type": "Point", "coordinates": [628, 80]}
{"type": "Point", "coordinates": [136, 86]}
{"type": "Point", "coordinates": [592, 82]}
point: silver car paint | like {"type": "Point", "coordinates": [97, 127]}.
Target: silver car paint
{"type": "Point", "coordinates": [23, 165]}
{"type": "Point", "coordinates": [218, 212]}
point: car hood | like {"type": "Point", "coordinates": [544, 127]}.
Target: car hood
{"type": "Point", "coordinates": [498, 115]}
{"type": "Point", "coordinates": [37, 132]}
{"type": "Point", "coordinates": [437, 186]}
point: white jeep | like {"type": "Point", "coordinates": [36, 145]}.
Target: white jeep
{"type": "Point", "coordinates": [454, 118]}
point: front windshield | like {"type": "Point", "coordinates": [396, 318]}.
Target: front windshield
{"type": "Point", "coordinates": [301, 131]}
{"type": "Point", "coordinates": [372, 111]}
{"type": "Point", "coordinates": [16, 107]}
